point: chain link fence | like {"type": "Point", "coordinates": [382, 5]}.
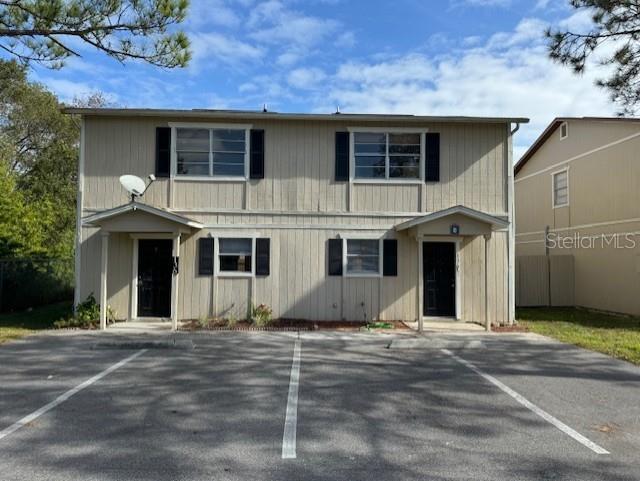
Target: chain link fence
{"type": "Point", "coordinates": [32, 282]}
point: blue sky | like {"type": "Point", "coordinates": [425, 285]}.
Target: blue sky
{"type": "Point", "coordinates": [430, 57]}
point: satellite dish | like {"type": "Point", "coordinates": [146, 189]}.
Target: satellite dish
{"type": "Point", "coordinates": [133, 184]}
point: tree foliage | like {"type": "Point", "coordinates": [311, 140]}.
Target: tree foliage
{"type": "Point", "coordinates": [616, 23]}
{"type": "Point", "coordinates": [38, 169]}
{"type": "Point", "coordinates": [49, 31]}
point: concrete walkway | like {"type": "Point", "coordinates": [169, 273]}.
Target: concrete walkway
{"type": "Point", "coordinates": [429, 326]}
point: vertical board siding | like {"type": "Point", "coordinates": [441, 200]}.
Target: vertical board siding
{"type": "Point", "coordinates": [114, 147]}
{"type": "Point", "coordinates": [299, 171]}
{"type": "Point", "coordinates": [299, 178]}
{"type": "Point", "coordinates": [298, 286]}
{"type": "Point", "coordinates": [119, 280]}
{"type": "Point", "coordinates": [90, 263]}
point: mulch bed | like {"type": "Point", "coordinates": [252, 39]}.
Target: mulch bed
{"type": "Point", "coordinates": [289, 325]}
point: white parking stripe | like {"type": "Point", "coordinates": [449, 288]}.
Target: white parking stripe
{"type": "Point", "coordinates": [291, 419]}
{"type": "Point", "coordinates": [63, 397]}
{"type": "Point", "coordinates": [529, 405]}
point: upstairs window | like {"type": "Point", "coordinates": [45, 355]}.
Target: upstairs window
{"type": "Point", "coordinates": [561, 188]}
{"type": "Point", "coordinates": [387, 156]}
{"type": "Point", "coordinates": [211, 152]}
{"type": "Point", "coordinates": [564, 130]}
{"type": "Point", "coordinates": [234, 255]}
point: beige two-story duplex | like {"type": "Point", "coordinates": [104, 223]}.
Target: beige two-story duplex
{"type": "Point", "coordinates": [320, 217]}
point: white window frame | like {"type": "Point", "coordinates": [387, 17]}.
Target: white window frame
{"type": "Point", "coordinates": [216, 260]}
{"type": "Point", "coordinates": [209, 126]}
{"type": "Point", "coordinates": [344, 256]}
{"type": "Point", "coordinates": [553, 188]}
{"type": "Point", "coordinates": [389, 130]}
{"type": "Point", "coordinates": [566, 126]}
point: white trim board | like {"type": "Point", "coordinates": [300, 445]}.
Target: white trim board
{"type": "Point", "coordinates": [553, 188]}
{"type": "Point", "coordinates": [387, 180]}
{"type": "Point", "coordinates": [210, 127]}
{"type": "Point", "coordinates": [577, 157]}
{"type": "Point", "coordinates": [367, 275]}
{"type": "Point", "coordinates": [293, 213]}
{"type": "Point", "coordinates": [583, 226]}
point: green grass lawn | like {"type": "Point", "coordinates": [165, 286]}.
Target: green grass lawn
{"type": "Point", "coordinates": [613, 335]}
{"type": "Point", "coordinates": [19, 324]}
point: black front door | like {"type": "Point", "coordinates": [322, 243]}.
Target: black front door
{"type": "Point", "coordinates": [155, 268]}
{"type": "Point", "coordinates": [439, 270]}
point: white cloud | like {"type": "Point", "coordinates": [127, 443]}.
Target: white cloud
{"type": "Point", "coordinates": [345, 40]}
{"type": "Point", "coordinates": [67, 90]}
{"type": "Point", "coordinates": [296, 34]}
{"type": "Point", "coordinates": [306, 78]}
{"type": "Point", "coordinates": [510, 77]}
{"type": "Point", "coordinates": [529, 30]}
{"type": "Point", "coordinates": [288, 58]}
{"type": "Point", "coordinates": [209, 47]}
{"type": "Point", "coordinates": [206, 13]}
{"type": "Point", "coordinates": [488, 3]}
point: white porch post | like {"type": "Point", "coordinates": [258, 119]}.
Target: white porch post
{"type": "Point", "coordinates": [420, 293]}
{"type": "Point", "coordinates": [487, 322]}
{"type": "Point", "coordinates": [103, 280]}
{"type": "Point", "coordinates": [174, 283]}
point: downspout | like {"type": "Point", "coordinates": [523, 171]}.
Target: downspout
{"type": "Point", "coordinates": [512, 231]}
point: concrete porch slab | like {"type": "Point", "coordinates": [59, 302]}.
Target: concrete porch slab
{"type": "Point", "coordinates": [139, 326]}
{"type": "Point", "coordinates": [447, 326]}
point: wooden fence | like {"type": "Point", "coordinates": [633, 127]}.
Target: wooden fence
{"type": "Point", "coordinates": [545, 281]}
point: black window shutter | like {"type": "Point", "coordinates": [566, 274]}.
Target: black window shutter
{"type": "Point", "coordinates": [205, 256]}
{"type": "Point", "coordinates": [335, 257]}
{"type": "Point", "coordinates": [262, 257]}
{"type": "Point", "coordinates": [390, 259]}
{"type": "Point", "coordinates": [342, 156]}
{"type": "Point", "coordinates": [256, 155]}
{"type": "Point", "coordinates": [163, 151]}
{"type": "Point", "coordinates": [432, 156]}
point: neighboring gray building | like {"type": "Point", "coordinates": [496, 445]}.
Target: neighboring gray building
{"type": "Point", "coordinates": [321, 217]}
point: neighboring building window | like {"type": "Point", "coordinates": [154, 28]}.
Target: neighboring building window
{"type": "Point", "coordinates": [363, 256]}
{"type": "Point", "coordinates": [234, 255]}
{"type": "Point", "coordinates": [387, 155]}
{"type": "Point", "coordinates": [211, 152]}
{"type": "Point", "coordinates": [561, 188]}
{"type": "Point", "coordinates": [564, 130]}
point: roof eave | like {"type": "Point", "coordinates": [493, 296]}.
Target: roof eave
{"type": "Point", "coordinates": [466, 211]}
{"type": "Point", "coordinates": [95, 219]}
{"type": "Point", "coordinates": [231, 114]}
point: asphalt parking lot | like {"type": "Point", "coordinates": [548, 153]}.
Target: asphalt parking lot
{"type": "Point", "coordinates": [272, 406]}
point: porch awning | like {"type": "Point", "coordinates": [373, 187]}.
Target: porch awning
{"type": "Point", "coordinates": [468, 221]}
{"type": "Point", "coordinates": [138, 217]}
